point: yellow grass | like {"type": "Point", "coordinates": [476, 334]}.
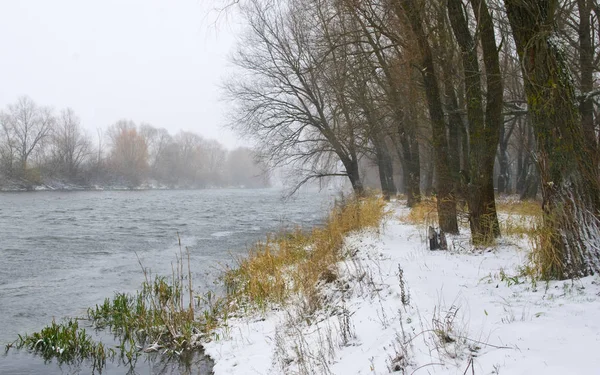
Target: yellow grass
{"type": "Point", "coordinates": [517, 218]}
{"type": "Point", "coordinates": [422, 213]}
{"type": "Point", "coordinates": [293, 263]}
{"type": "Point", "coordinates": [516, 207]}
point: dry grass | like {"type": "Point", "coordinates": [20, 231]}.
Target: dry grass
{"type": "Point", "coordinates": [517, 218]}
{"type": "Point", "coordinates": [518, 207]}
{"type": "Point", "coordinates": [517, 225]}
{"type": "Point", "coordinates": [295, 262]}
{"type": "Point", "coordinates": [422, 213]}
{"type": "Point", "coordinates": [546, 258]}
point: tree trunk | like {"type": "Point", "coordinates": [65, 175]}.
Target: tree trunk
{"type": "Point", "coordinates": [570, 189]}
{"type": "Point", "coordinates": [455, 124]}
{"type": "Point", "coordinates": [527, 175]}
{"type": "Point", "coordinates": [446, 203]}
{"type": "Point", "coordinates": [429, 175]}
{"type": "Point", "coordinates": [385, 168]}
{"type": "Point", "coordinates": [389, 168]}
{"type": "Point", "coordinates": [354, 177]}
{"type": "Point", "coordinates": [586, 62]}
{"type": "Point", "coordinates": [504, 173]}
{"type": "Point", "coordinates": [484, 124]}
{"type": "Point", "coordinates": [408, 152]}
{"type": "Point", "coordinates": [531, 183]}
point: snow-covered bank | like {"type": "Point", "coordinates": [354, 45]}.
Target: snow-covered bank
{"type": "Point", "coordinates": [396, 306]}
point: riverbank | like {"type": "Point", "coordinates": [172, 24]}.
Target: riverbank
{"type": "Point", "coordinates": [63, 252]}
{"type": "Point", "coordinates": [22, 185]}
{"type": "Point", "coordinates": [393, 305]}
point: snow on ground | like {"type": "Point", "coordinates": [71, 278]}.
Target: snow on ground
{"type": "Point", "coordinates": [464, 312]}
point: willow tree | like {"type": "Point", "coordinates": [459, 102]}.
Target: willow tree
{"type": "Point", "coordinates": [484, 112]}
{"type": "Point", "coordinates": [382, 47]}
{"type": "Point", "coordinates": [446, 203]}
{"type": "Point", "coordinates": [570, 189]}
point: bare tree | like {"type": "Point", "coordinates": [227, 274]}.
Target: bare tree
{"type": "Point", "coordinates": [382, 49]}
{"type": "Point", "coordinates": [589, 59]}
{"type": "Point", "coordinates": [446, 201]}
{"type": "Point", "coordinates": [70, 145]}
{"type": "Point", "coordinates": [212, 157]}
{"type": "Point", "coordinates": [25, 126]}
{"type": "Point", "coordinates": [129, 152]}
{"type": "Point", "coordinates": [157, 141]}
{"type": "Point", "coordinates": [579, 28]}
{"type": "Point", "coordinates": [243, 170]}
{"type": "Point", "coordinates": [7, 146]}
{"type": "Point", "coordinates": [283, 100]}
{"type": "Point", "coordinates": [484, 113]}
{"type": "Point", "coordinates": [188, 157]}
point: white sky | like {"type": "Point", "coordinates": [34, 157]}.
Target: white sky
{"type": "Point", "coordinates": [155, 61]}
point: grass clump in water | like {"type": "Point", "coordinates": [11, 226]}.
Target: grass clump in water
{"type": "Point", "coordinates": [159, 317]}
{"type": "Point", "coordinates": [66, 342]}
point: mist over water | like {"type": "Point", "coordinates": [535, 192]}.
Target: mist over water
{"type": "Point", "coordinates": [62, 252]}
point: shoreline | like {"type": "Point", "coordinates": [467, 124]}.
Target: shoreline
{"type": "Point", "coordinates": [394, 306]}
{"type": "Point", "coordinates": [249, 201]}
{"type": "Point", "coordinates": [386, 303]}
{"type": "Point", "coordinates": [116, 188]}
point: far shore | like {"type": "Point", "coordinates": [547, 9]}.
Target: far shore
{"type": "Point", "coordinates": [47, 188]}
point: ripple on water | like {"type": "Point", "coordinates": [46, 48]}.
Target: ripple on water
{"type": "Point", "coordinates": [24, 314]}
{"type": "Point", "coordinates": [51, 268]}
{"type": "Point", "coordinates": [223, 234]}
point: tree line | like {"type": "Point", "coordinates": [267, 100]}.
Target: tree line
{"type": "Point", "coordinates": [465, 98]}
{"type": "Point", "coordinates": [41, 146]}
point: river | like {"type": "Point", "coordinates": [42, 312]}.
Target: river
{"type": "Point", "coordinates": [62, 252]}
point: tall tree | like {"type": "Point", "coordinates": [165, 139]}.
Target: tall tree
{"type": "Point", "coordinates": [446, 202]}
{"type": "Point", "coordinates": [70, 146]}
{"type": "Point", "coordinates": [129, 152]}
{"type": "Point", "coordinates": [381, 47]}
{"type": "Point", "coordinates": [484, 113]}
{"type": "Point", "coordinates": [570, 188]}
{"type": "Point", "coordinates": [157, 141]}
{"type": "Point", "coordinates": [283, 99]}
{"type": "Point", "coordinates": [587, 45]}
{"type": "Point", "coordinates": [27, 125]}
{"type": "Point", "coordinates": [7, 146]}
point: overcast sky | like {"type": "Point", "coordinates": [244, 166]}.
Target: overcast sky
{"type": "Point", "coordinates": [155, 61]}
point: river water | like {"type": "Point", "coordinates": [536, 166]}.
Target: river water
{"type": "Point", "coordinates": [62, 252]}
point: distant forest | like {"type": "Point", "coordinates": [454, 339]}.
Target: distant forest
{"type": "Point", "coordinates": [40, 146]}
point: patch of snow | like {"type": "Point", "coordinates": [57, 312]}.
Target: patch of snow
{"type": "Point", "coordinates": [396, 306]}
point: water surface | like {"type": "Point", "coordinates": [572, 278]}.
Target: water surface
{"type": "Point", "coordinates": [62, 252]}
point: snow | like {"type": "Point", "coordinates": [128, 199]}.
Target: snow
{"type": "Point", "coordinates": [467, 313]}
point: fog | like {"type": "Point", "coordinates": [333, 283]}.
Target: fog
{"type": "Point", "coordinates": [152, 61]}
{"type": "Point", "coordinates": [42, 148]}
